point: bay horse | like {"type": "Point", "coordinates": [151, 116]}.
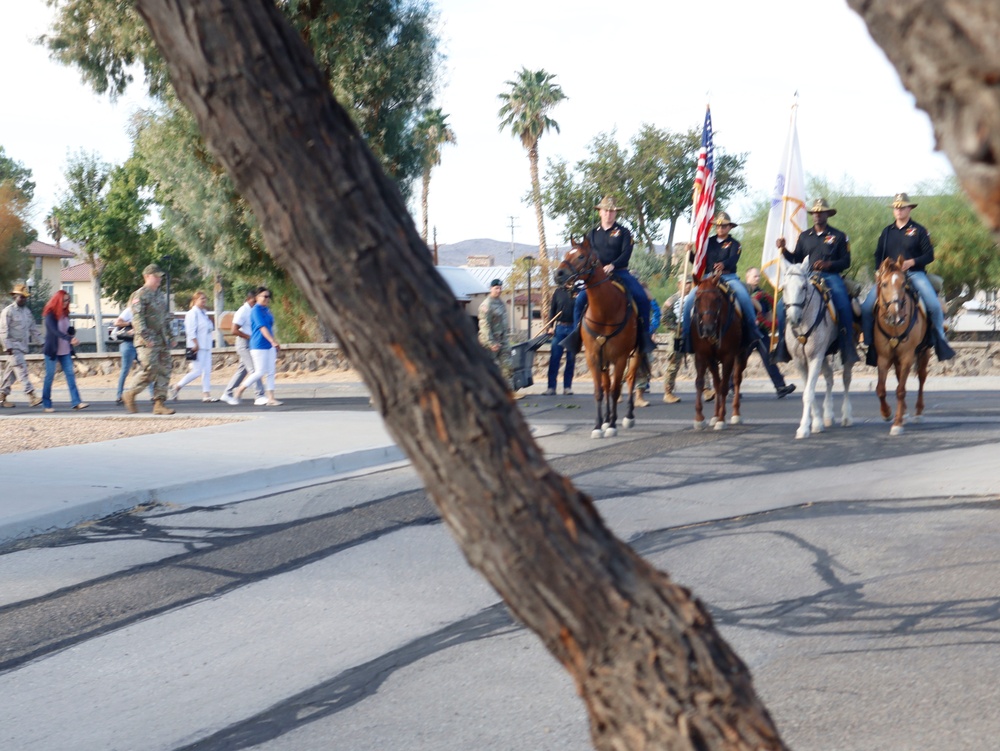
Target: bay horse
{"type": "Point", "coordinates": [810, 329]}
{"type": "Point", "coordinates": [899, 339]}
{"type": "Point", "coordinates": [717, 339]}
{"type": "Point", "coordinates": [609, 335]}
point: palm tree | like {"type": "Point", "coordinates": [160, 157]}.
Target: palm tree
{"type": "Point", "coordinates": [525, 111]}
{"type": "Point", "coordinates": [431, 133]}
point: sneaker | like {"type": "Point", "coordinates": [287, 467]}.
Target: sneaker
{"type": "Point", "coordinates": [230, 399]}
{"type": "Point", "coordinates": [786, 390]}
{"type": "Point", "coordinates": [50, 409]}
{"type": "Point", "coordinates": [549, 392]}
{"type": "Point", "coordinates": [81, 405]}
{"type": "Point", "coordinates": [567, 392]}
{"type": "Point", "coordinates": [272, 403]}
{"type": "Point", "coordinates": [209, 400]}
{"type": "Point", "coordinates": [118, 399]}
{"type": "Point", "coordinates": [260, 401]}
{"type": "Point", "coordinates": [174, 394]}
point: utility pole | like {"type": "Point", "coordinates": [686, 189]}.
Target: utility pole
{"type": "Point", "coordinates": [435, 245]}
{"type": "Point", "coordinates": [512, 290]}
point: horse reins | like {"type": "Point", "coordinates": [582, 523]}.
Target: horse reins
{"type": "Point", "coordinates": [908, 298]}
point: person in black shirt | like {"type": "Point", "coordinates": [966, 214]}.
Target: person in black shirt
{"type": "Point", "coordinates": [562, 311]}
{"type": "Point", "coordinates": [828, 252]}
{"type": "Point", "coordinates": [721, 257]}
{"type": "Point", "coordinates": [613, 244]}
{"type": "Point", "coordinates": [910, 244]}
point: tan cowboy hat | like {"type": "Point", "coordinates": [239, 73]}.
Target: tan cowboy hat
{"type": "Point", "coordinates": [608, 203]}
{"type": "Point", "coordinates": [902, 201]}
{"type": "Point", "coordinates": [723, 219]}
{"type": "Point", "coordinates": [822, 205]}
{"type": "Point", "coordinates": [20, 289]}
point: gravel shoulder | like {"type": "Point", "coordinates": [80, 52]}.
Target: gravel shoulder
{"type": "Point", "coordinates": [35, 430]}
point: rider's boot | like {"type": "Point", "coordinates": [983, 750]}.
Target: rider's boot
{"type": "Point", "coordinates": [942, 349]}
{"type": "Point", "coordinates": [573, 341]}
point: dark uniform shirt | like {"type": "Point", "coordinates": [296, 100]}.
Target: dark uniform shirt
{"type": "Point", "coordinates": [562, 306]}
{"type": "Point", "coordinates": [832, 246]}
{"type": "Point", "coordinates": [910, 242]}
{"type": "Point", "coordinates": [613, 245]}
{"type": "Point", "coordinates": [726, 252]}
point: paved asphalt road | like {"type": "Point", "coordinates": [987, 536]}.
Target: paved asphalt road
{"type": "Point", "coordinates": [854, 573]}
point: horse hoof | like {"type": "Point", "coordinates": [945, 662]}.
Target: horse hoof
{"type": "Point", "coordinates": [896, 430]}
{"type": "Point", "coordinates": [847, 422]}
{"type": "Point", "coordinates": [720, 425]}
{"type": "Point", "coordinates": [699, 424]}
{"type": "Point", "coordinates": [712, 421]}
{"type": "Point", "coordinates": [628, 422]}
{"type": "Point", "coordinates": [801, 433]}
{"type": "Point", "coordinates": [827, 422]}
{"type": "Point", "coordinates": [817, 427]}
{"type": "Point", "coordinates": [597, 433]}
{"type": "Point", "coordinates": [610, 432]}
{"type": "Point", "coordinates": [917, 418]}
{"type": "Point", "coordinates": [605, 426]}
{"type": "Point", "coordinates": [735, 420]}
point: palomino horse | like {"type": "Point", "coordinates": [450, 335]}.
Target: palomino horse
{"type": "Point", "coordinates": [609, 336]}
{"type": "Point", "coordinates": [717, 338]}
{"type": "Point", "coordinates": [810, 329]}
{"type": "Point", "coordinates": [900, 330]}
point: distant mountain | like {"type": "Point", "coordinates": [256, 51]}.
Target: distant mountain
{"type": "Point", "coordinates": [457, 254]}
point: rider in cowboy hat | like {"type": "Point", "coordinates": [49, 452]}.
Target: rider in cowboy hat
{"type": "Point", "coordinates": [613, 244]}
{"type": "Point", "coordinates": [910, 244]}
{"type": "Point", "coordinates": [721, 257]}
{"type": "Point", "coordinates": [828, 251]}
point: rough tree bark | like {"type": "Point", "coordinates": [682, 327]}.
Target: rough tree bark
{"type": "Point", "coordinates": [947, 55]}
{"type": "Point", "coordinates": [646, 658]}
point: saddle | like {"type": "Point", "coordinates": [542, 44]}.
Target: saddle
{"type": "Point", "coordinates": [734, 304]}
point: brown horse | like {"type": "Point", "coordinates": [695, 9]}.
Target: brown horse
{"type": "Point", "coordinates": [899, 338]}
{"type": "Point", "coordinates": [717, 339]}
{"type": "Point", "coordinates": [609, 335]}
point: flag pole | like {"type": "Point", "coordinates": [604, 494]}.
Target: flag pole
{"type": "Point", "coordinates": [781, 226]}
{"type": "Point", "coordinates": [687, 252]}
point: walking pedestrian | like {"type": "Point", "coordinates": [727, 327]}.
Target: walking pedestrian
{"type": "Point", "coordinates": [264, 349]}
{"type": "Point", "coordinates": [561, 315]}
{"type": "Point", "coordinates": [150, 319]}
{"type": "Point", "coordinates": [58, 349]}
{"type": "Point", "coordinates": [241, 329]}
{"type": "Point", "coordinates": [17, 331]}
{"type": "Point", "coordinates": [198, 329]}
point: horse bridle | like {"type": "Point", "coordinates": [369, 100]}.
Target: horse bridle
{"type": "Point", "coordinates": [906, 302]}
{"type": "Point", "coordinates": [714, 336]}
{"type": "Point", "coordinates": [591, 262]}
{"type": "Point", "coordinates": [809, 288]}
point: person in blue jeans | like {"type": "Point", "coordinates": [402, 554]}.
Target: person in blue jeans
{"type": "Point", "coordinates": [910, 244]}
{"type": "Point", "coordinates": [561, 314]}
{"type": "Point", "coordinates": [613, 244]}
{"type": "Point", "coordinates": [58, 349]}
{"type": "Point", "coordinates": [123, 333]}
{"type": "Point", "coordinates": [721, 257]}
{"type": "Point", "coordinates": [828, 252]}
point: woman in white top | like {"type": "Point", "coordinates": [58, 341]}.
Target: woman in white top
{"type": "Point", "coordinates": [198, 328]}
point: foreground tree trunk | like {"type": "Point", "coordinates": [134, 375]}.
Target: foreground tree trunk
{"type": "Point", "coordinates": [947, 55]}
{"type": "Point", "coordinates": [646, 658]}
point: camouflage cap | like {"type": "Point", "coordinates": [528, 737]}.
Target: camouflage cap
{"type": "Point", "coordinates": [152, 269]}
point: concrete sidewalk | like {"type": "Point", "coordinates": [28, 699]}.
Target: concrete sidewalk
{"type": "Point", "coordinates": [262, 451]}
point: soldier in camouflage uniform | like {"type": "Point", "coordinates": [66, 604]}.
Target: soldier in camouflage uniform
{"type": "Point", "coordinates": [151, 323]}
{"type": "Point", "coordinates": [493, 330]}
{"type": "Point", "coordinates": [17, 331]}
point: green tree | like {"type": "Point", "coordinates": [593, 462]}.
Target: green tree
{"type": "Point", "coordinates": [525, 112]}
{"type": "Point", "coordinates": [432, 133]}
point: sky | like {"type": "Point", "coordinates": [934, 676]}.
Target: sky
{"type": "Point", "coordinates": [621, 65]}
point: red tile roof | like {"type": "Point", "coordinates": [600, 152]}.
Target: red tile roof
{"type": "Point", "coordinates": [39, 248]}
{"type": "Point", "coordinates": [81, 272]}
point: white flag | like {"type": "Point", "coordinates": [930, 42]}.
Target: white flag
{"type": "Point", "coordinates": [788, 217]}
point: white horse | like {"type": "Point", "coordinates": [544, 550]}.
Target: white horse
{"type": "Point", "coordinates": [810, 329]}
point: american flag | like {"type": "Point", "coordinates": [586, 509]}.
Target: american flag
{"type": "Point", "coordinates": [704, 196]}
